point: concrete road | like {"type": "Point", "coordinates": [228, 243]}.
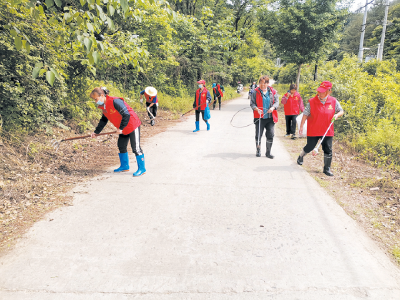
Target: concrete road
{"type": "Point", "coordinates": [209, 220]}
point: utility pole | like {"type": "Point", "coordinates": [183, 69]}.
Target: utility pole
{"type": "Point", "coordinates": [380, 51]}
{"type": "Point", "coordinates": [361, 49]}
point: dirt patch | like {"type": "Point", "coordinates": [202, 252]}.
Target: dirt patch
{"type": "Point", "coordinates": [369, 195]}
{"type": "Point", "coordinates": [35, 179]}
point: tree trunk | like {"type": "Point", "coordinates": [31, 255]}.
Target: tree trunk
{"type": "Point", "coordinates": [298, 77]}
{"type": "Point", "coordinates": [316, 72]}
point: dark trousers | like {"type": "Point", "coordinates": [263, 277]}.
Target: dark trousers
{"type": "Point", "coordinates": [269, 126]}
{"type": "Point", "coordinates": [215, 101]}
{"type": "Point", "coordinates": [198, 115]}
{"type": "Point", "coordinates": [326, 144]}
{"type": "Point", "coordinates": [291, 124]}
{"type": "Point", "coordinates": [134, 137]}
{"type": "Point", "coordinates": [152, 109]}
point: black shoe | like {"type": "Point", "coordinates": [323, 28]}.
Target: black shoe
{"type": "Point", "coordinates": [327, 165]}
{"type": "Point", "coordinates": [327, 172]}
{"type": "Point", "coordinates": [258, 154]}
{"type": "Point", "coordinates": [268, 153]}
{"type": "Point", "coordinates": [294, 137]}
{"type": "Point", "coordinates": [300, 160]}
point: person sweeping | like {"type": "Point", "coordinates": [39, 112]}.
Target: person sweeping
{"type": "Point", "coordinates": [122, 116]}
{"type": "Point", "coordinates": [264, 101]}
{"type": "Point", "coordinates": [320, 113]}
{"type": "Point", "coordinates": [218, 93]}
{"type": "Point", "coordinates": [293, 104]}
{"type": "Point", "coordinates": [150, 94]}
{"type": "Point", "coordinates": [201, 101]}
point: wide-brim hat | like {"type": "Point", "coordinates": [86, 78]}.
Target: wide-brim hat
{"type": "Point", "coordinates": [201, 81]}
{"type": "Point", "coordinates": [150, 91]}
{"type": "Point", "coordinates": [214, 84]}
{"type": "Point", "coordinates": [324, 86]}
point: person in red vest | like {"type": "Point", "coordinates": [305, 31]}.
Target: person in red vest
{"type": "Point", "coordinates": [122, 116]}
{"type": "Point", "coordinates": [319, 113]}
{"type": "Point", "coordinates": [218, 92]}
{"type": "Point", "coordinates": [293, 104]}
{"type": "Point", "coordinates": [150, 94]}
{"type": "Point", "coordinates": [264, 101]}
{"type": "Point", "coordinates": [201, 100]}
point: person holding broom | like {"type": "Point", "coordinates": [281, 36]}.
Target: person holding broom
{"type": "Point", "coordinates": [218, 92]}
{"type": "Point", "coordinates": [122, 116]}
{"type": "Point", "coordinates": [321, 111]}
{"type": "Point", "coordinates": [201, 101]}
{"type": "Point", "coordinates": [150, 94]}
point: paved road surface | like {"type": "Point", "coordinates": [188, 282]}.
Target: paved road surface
{"type": "Point", "coordinates": [209, 220]}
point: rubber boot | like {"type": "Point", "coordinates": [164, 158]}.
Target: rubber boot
{"type": "Point", "coordinates": [141, 169]}
{"type": "Point", "coordinates": [300, 158]}
{"type": "Point", "coordinates": [208, 126]}
{"type": "Point", "coordinates": [124, 159]}
{"type": "Point", "coordinates": [220, 106]}
{"type": "Point", "coordinates": [197, 126]}
{"type": "Point", "coordinates": [214, 105]}
{"type": "Point", "coordinates": [258, 153]}
{"type": "Point", "coordinates": [268, 153]}
{"type": "Point", "coordinates": [327, 165]}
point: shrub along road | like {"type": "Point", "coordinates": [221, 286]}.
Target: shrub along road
{"type": "Point", "coordinates": [209, 220]}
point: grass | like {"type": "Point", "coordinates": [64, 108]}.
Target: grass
{"type": "Point", "coordinates": [396, 253]}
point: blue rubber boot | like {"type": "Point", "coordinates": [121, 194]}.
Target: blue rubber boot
{"type": "Point", "coordinates": [197, 126]}
{"type": "Point", "coordinates": [208, 126]}
{"type": "Point", "coordinates": [124, 158]}
{"type": "Point", "coordinates": [141, 169]}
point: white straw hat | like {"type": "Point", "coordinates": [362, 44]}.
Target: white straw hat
{"type": "Point", "coordinates": [150, 91]}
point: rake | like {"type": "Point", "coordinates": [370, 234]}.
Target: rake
{"type": "Point", "coordinates": [56, 143]}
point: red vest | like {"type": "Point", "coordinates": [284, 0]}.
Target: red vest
{"type": "Point", "coordinates": [260, 105]}
{"type": "Point", "coordinates": [292, 106]}
{"type": "Point", "coordinates": [150, 99]}
{"type": "Point", "coordinates": [115, 117]}
{"type": "Point", "coordinates": [320, 117]}
{"type": "Point", "coordinates": [217, 91]}
{"type": "Point", "coordinates": [203, 99]}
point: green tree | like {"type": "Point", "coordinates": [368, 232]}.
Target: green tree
{"type": "Point", "coordinates": [302, 31]}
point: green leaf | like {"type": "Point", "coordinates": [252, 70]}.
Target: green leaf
{"type": "Point", "coordinates": [55, 73]}
{"type": "Point", "coordinates": [88, 44]}
{"type": "Point", "coordinates": [89, 27]}
{"type": "Point", "coordinates": [42, 71]}
{"type": "Point", "coordinates": [124, 5]}
{"type": "Point", "coordinates": [50, 77]}
{"type": "Point", "coordinates": [96, 57]}
{"type": "Point", "coordinates": [35, 72]}
{"type": "Point", "coordinates": [111, 10]}
{"type": "Point", "coordinates": [110, 24]}
{"type": "Point", "coordinates": [13, 32]}
{"type": "Point", "coordinates": [83, 2]}
{"type": "Point", "coordinates": [49, 3]}
{"type": "Point", "coordinates": [41, 9]}
{"type": "Point", "coordinates": [91, 60]}
{"type": "Point", "coordinates": [39, 65]}
{"type": "Point", "coordinates": [18, 42]}
{"type": "Point", "coordinates": [100, 46]}
{"type": "Point", "coordinates": [58, 3]}
{"type": "Point", "coordinates": [79, 21]}
{"type": "Point", "coordinates": [91, 2]}
{"type": "Point", "coordinates": [28, 47]}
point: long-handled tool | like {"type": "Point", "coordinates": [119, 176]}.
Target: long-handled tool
{"type": "Point", "coordinates": [315, 151]}
{"type": "Point", "coordinates": [56, 143]}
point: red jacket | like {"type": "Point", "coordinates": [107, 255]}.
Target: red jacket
{"type": "Point", "coordinates": [292, 104]}
{"type": "Point", "coordinates": [203, 99]}
{"type": "Point", "coordinates": [320, 117]}
{"type": "Point", "coordinates": [217, 91]}
{"type": "Point", "coordinates": [150, 99]}
{"type": "Point", "coordinates": [115, 117]}
{"type": "Point", "coordinates": [259, 101]}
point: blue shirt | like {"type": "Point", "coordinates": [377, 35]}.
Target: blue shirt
{"type": "Point", "coordinates": [266, 103]}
